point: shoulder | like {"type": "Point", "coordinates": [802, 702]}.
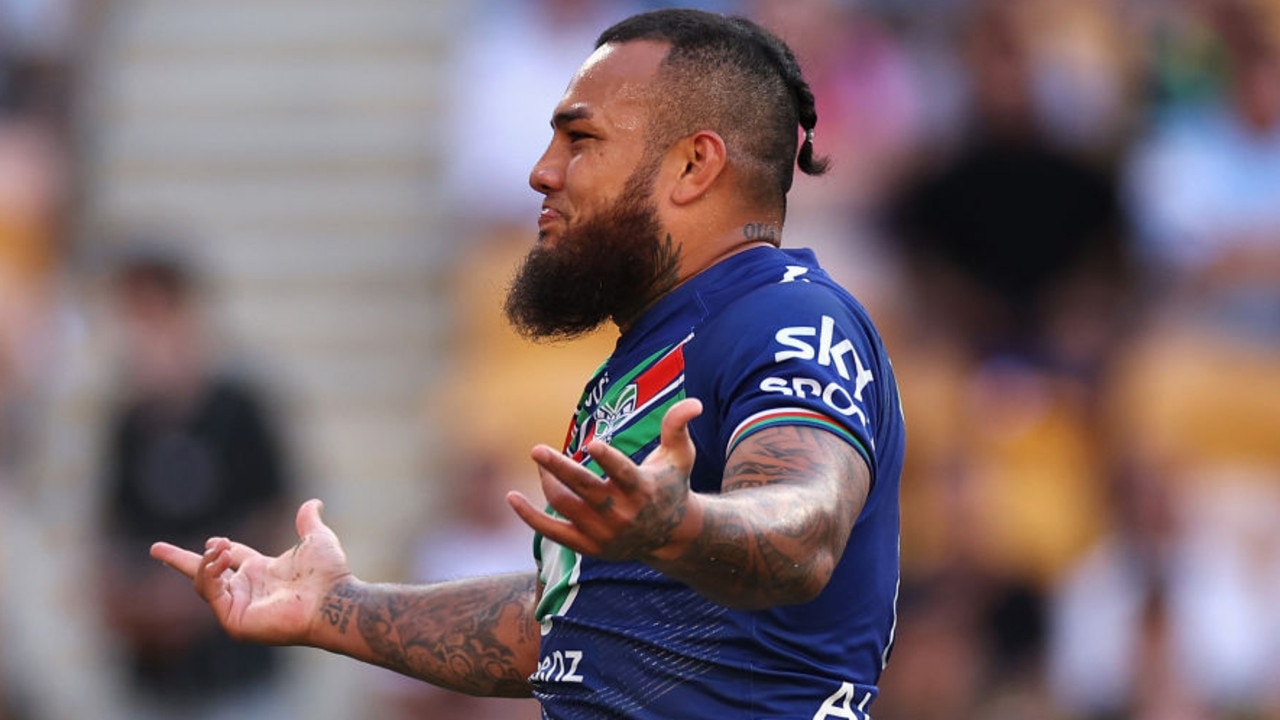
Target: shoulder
{"type": "Point", "coordinates": [769, 308]}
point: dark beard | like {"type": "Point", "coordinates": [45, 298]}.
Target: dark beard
{"type": "Point", "coordinates": [609, 268]}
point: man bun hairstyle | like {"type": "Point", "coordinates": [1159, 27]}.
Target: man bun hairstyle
{"type": "Point", "coordinates": [729, 75]}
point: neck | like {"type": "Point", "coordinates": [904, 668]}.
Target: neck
{"type": "Point", "coordinates": [693, 258]}
{"type": "Point", "coordinates": [741, 236]}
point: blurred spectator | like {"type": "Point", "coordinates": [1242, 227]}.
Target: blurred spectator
{"type": "Point", "coordinates": [1018, 247]}
{"type": "Point", "coordinates": [1192, 399]}
{"type": "Point", "coordinates": [478, 535]}
{"type": "Point", "coordinates": [1110, 611]}
{"type": "Point", "coordinates": [192, 452]}
{"type": "Point", "coordinates": [34, 49]}
{"type": "Point", "coordinates": [1016, 252]}
{"type": "Point", "coordinates": [1018, 270]}
{"type": "Point", "coordinates": [1184, 58]}
{"type": "Point", "coordinates": [1086, 72]}
{"type": "Point", "coordinates": [968, 646]}
{"type": "Point", "coordinates": [31, 195]}
{"type": "Point", "coordinates": [1204, 182]}
{"type": "Point", "coordinates": [37, 40]}
{"type": "Point", "coordinates": [1171, 615]}
{"type": "Point", "coordinates": [31, 192]}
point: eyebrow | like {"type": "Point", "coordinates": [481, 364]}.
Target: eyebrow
{"type": "Point", "coordinates": [564, 117]}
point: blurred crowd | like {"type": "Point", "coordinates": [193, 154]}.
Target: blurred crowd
{"type": "Point", "coordinates": [1065, 217]}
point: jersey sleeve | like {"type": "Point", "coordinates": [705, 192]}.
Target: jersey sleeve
{"type": "Point", "coordinates": [794, 354]}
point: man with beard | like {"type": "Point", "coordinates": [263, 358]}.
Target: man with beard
{"type": "Point", "coordinates": [721, 525]}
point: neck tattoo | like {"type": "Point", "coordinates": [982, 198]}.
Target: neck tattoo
{"type": "Point", "coordinates": [763, 232]}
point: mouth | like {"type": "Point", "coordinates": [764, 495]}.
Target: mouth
{"type": "Point", "coordinates": [548, 216]}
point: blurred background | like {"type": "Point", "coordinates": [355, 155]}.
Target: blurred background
{"type": "Point", "coordinates": [253, 252]}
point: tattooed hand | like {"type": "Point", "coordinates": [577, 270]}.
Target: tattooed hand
{"type": "Point", "coordinates": [274, 600]}
{"type": "Point", "coordinates": [773, 536]}
{"type": "Point", "coordinates": [635, 512]}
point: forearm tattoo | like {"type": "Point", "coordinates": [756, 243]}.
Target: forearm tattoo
{"type": "Point", "coordinates": [339, 605]}
{"type": "Point", "coordinates": [789, 499]}
{"type": "Point", "coordinates": [469, 635]}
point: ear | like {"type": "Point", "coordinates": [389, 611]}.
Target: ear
{"type": "Point", "coordinates": [702, 157]}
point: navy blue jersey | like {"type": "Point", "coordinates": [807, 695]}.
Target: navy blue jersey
{"type": "Point", "coordinates": [764, 338]}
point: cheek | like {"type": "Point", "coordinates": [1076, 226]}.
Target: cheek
{"type": "Point", "coordinates": [594, 176]}
{"type": "Point", "coordinates": [581, 179]}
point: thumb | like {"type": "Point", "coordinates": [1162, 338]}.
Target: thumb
{"type": "Point", "coordinates": [675, 430]}
{"type": "Point", "coordinates": [309, 518]}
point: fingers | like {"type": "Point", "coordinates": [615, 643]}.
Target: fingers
{"type": "Point", "coordinates": [618, 468]}
{"type": "Point", "coordinates": [582, 481]}
{"type": "Point", "coordinates": [184, 561]}
{"type": "Point", "coordinates": [205, 570]}
{"type": "Point", "coordinates": [675, 448]}
{"type": "Point", "coordinates": [585, 501]}
{"type": "Point", "coordinates": [531, 515]}
{"type": "Point", "coordinates": [238, 553]}
{"type": "Point", "coordinates": [188, 563]}
{"type": "Point", "coordinates": [217, 560]}
{"type": "Point", "coordinates": [620, 471]}
{"type": "Point", "coordinates": [558, 530]}
{"type": "Point", "coordinates": [566, 500]}
{"type": "Point", "coordinates": [597, 513]}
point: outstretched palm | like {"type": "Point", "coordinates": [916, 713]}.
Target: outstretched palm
{"type": "Point", "coordinates": [258, 598]}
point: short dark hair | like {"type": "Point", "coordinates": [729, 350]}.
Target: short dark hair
{"type": "Point", "coordinates": [728, 74]}
{"type": "Point", "coordinates": [150, 266]}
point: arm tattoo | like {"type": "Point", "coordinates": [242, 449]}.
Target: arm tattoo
{"type": "Point", "coordinates": [338, 606]}
{"type": "Point", "coordinates": [790, 496]}
{"type": "Point", "coordinates": [468, 635]}
{"type": "Point", "coordinates": [659, 525]}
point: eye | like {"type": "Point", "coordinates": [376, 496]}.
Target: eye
{"type": "Point", "coordinates": [576, 135]}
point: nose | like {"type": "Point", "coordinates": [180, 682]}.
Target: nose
{"type": "Point", "coordinates": [547, 175]}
